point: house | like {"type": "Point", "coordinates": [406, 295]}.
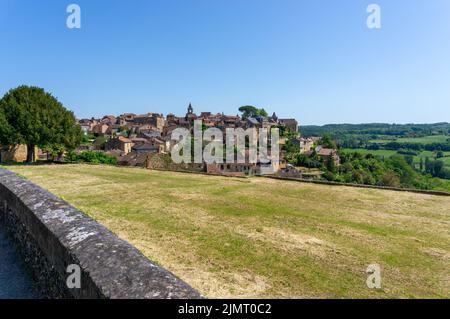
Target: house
{"type": "Point", "coordinates": [138, 140]}
{"type": "Point", "coordinates": [327, 154]}
{"type": "Point", "coordinates": [87, 125]}
{"type": "Point", "coordinates": [232, 169]}
{"type": "Point", "coordinates": [305, 144]}
{"type": "Point", "coordinates": [253, 122]}
{"type": "Point", "coordinates": [151, 134]}
{"type": "Point", "coordinates": [126, 118]}
{"type": "Point", "coordinates": [247, 168]}
{"type": "Point", "coordinates": [147, 148]}
{"type": "Point", "coordinates": [133, 159]}
{"type": "Point", "coordinates": [109, 120]}
{"type": "Point", "coordinates": [155, 120]}
{"type": "Point", "coordinates": [119, 143]}
{"type": "Point", "coordinates": [100, 129]}
{"type": "Point", "coordinates": [113, 129]}
{"type": "Point", "coordinates": [291, 124]}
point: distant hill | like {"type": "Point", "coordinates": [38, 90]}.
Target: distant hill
{"type": "Point", "coordinates": [398, 130]}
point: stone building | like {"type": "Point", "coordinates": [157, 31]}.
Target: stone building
{"type": "Point", "coordinates": [119, 143]}
{"type": "Point", "coordinates": [15, 154]}
{"type": "Point", "coordinates": [291, 124]}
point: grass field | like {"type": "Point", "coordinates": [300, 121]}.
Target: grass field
{"type": "Point", "coordinates": [257, 237]}
{"type": "Point", "coordinates": [425, 140]}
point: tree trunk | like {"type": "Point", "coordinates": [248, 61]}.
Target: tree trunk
{"type": "Point", "coordinates": [30, 153]}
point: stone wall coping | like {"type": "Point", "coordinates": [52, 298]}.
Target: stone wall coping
{"type": "Point", "coordinates": [114, 266]}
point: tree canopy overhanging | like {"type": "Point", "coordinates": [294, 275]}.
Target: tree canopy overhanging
{"type": "Point", "coordinates": [31, 116]}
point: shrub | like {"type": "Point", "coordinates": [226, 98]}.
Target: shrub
{"type": "Point", "coordinates": [92, 157]}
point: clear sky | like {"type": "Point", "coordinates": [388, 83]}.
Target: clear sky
{"type": "Point", "coordinates": [314, 60]}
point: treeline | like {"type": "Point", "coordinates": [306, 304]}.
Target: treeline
{"type": "Point", "coordinates": [395, 146]}
{"type": "Point", "coordinates": [374, 129]}
{"type": "Point", "coordinates": [395, 171]}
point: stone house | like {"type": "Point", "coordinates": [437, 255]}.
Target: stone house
{"type": "Point", "coordinates": [327, 154]}
{"type": "Point", "coordinates": [119, 143]}
{"type": "Point", "coordinates": [291, 124]}
{"type": "Point", "coordinates": [15, 154]}
{"type": "Point", "coordinates": [147, 148]}
{"type": "Point", "coordinates": [100, 129]}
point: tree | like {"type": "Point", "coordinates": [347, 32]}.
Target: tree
{"type": "Point", "coordinates": [389, 179]}
{"type": "Point", "coordinates": [251, 111]}
{"type": "Point", "coordinates": [438, 169]}
{"type": "Point", "coordinates": [100, 142]}
{"type": "Point", "coordinates": [330, 165]}
{"type": "Point", "coordinates": [327, 141]}
{"type": "Point", "coordinates": [5, 129]}
{"type": "Point", "coordinates": [36, 118]}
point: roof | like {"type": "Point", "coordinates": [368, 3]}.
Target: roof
{"type": "Point", "coordinates": [139, 140]}
{"type": "Point", "coordinates": [253, 120]}
{"type": "Point", "coordinates": [152, 134]}
{"type": "Point", "coordinates": [156, 140]}
{"type": "Point", "coordinates": [124, 139]}
{"type": "Point", "coordinates": [145, 146]}
{"type": "Point", "coordinates": [288, 121]}
{"type": "Point", "coordinates": [133, 159]}
{"type": "Point", "coordinates": [326, 152]}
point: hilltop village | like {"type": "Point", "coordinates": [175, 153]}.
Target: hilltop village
{"type": "Point", "coordinates": [145, 140]}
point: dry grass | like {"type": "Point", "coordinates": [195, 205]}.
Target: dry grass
{"type": "Point", "coordinates": [263, 238]}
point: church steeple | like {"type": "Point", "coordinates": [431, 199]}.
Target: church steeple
{"type": "Point", "coordinates": [190, 109]}
{"type": "Point", "coordinates": [274, 117]}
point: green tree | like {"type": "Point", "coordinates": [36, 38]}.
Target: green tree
{"type": "Point", "coordinates": [389, 178]}
{"type": "Point", "coordinates": [36, 118]}
{"type": "Point", "coordinates": [100, 142]}
{"type": "Point", "coordinates": [327, 141]}
{"type": "Point", "coordinates": [251, 111]}
{"type": "Point", "coordinates": [331, 167]}
{"type": "Point", "coordinates": [5, 129]}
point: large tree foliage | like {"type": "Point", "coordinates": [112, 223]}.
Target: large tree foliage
{"type": "Point", "coordinates": [5, 130]}
{"type": "Point", "coordinates": [31, 116]}
{"type": "Point", "coordinates": [251, 111]}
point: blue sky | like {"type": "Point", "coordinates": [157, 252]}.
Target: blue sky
{"type": "Point", "coordinates": [314, 60]}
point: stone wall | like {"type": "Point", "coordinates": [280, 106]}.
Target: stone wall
{"type": "Point", "coordinates": [17, 154]}
{"type": "Point", "coordinates": [51, 235]}
{"type": "Point", "coordinates": [164, 162]}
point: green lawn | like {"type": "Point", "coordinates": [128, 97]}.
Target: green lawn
{"type": "Point", "coordinates": [425, 140]}
{"type": "Point", "coordinates": [260, 238]}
